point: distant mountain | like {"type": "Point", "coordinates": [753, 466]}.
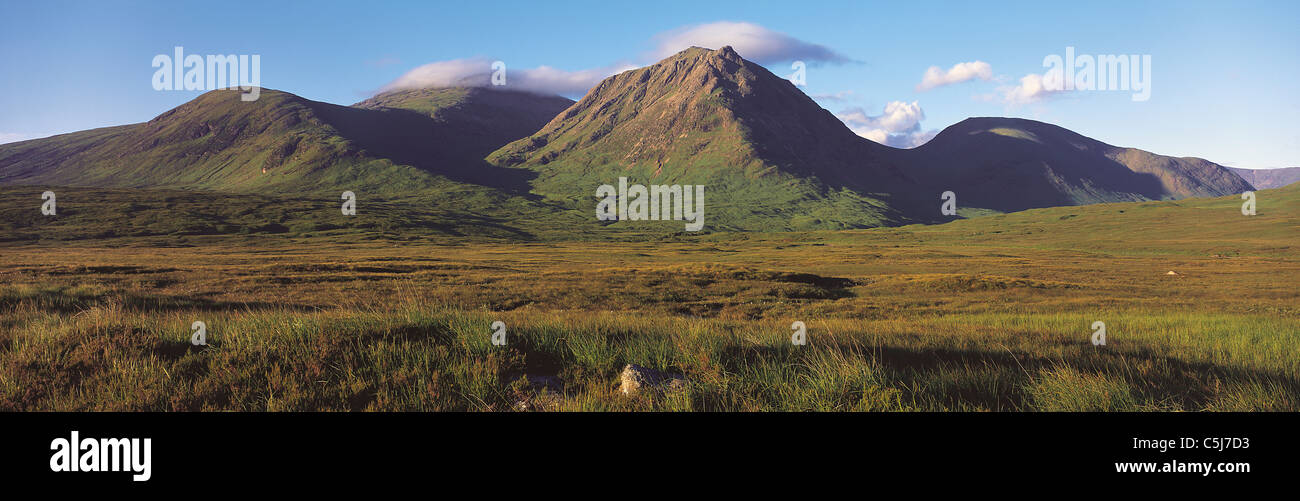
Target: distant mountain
{"type": "Point", "coordinates": [1012, 164]}
{"type": "Point", "coordinates": [282, 142]}
{"type": "Point", "coordinates": [770, 157]}
{"type": "Point", "coordinates": [1264, 179]}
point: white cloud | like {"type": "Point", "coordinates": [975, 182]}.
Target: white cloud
{"type": "Point", "coordinates": [898, 116]}
{"type": "Point", "coordinates": [899, 126]}
{"type": "Point", "coordinates": [751, 41]}
{"type": "Point", "coordinates": [960, 72]}
{"type": "Point", "coordinates": [477, 72]}
{"type": "Point", "coordinates": [548, 80]}
{"type": "Point", "coordinates": [453, 73]}
{"type": "Point", "coordinates": [1033, 88]}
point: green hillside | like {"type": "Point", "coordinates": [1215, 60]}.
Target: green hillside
{"type": "Point", "coordinates": [213, 142]}
{"type": "Point", "coordinates": [283, 143]}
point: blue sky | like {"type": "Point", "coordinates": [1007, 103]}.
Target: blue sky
{"type": "Point", "coordinates": [1224, 75]}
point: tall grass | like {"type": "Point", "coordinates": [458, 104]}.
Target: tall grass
{"type": "Point", "coordinates": [438, 357]}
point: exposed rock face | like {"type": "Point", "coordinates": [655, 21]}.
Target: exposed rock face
{"type": "Point", "coordinates": [636, 380]}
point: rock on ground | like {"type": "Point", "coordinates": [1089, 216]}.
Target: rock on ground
{"type": "Point", "coordinates": [636, 379]}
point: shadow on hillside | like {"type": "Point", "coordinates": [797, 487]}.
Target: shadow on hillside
{"type": "Point", "coordinates": [1011, 174]}
{"type": "Point", "coordinates": [411, 138]}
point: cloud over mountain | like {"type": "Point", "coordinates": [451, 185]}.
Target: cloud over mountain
{"type": "Point", "coordinates": [477, 72]}
{"type": "Point", "coordinates": [753, 42]}
{"type": "Point", "coordinates": [899, 126]}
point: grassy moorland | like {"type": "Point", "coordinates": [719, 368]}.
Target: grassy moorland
{"type": "Point", "coordinates": [992, 313]}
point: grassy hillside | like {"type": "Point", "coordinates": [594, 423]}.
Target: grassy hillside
{"type": "Point", "coordinates": [216, 141]}
{"type": "Point", "coordinates": [992, 313]}
{"type": "Point", "coordinates": [283, 143]}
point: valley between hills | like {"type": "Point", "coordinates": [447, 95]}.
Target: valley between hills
{"type": "Point", "coordinates": [475, 206]}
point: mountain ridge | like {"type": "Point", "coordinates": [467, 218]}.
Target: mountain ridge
{"type": "Point", "coordinates": [281, 142]}
{"type": "Point", "coordinates": [771, 157]}
{"type": "Point", "coordinates": [1263, 179]}
{"type": "Point", "coordinates": [1012, 164]}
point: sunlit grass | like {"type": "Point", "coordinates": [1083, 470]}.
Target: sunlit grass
{"type": "Point", "coordinates": [989, 314]}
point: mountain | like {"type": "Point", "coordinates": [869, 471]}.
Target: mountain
{"type": "Point", "coordinates": [1012, 164]}
{"type": "Point", "coordinates": [768, 155]}
{"type": "Point", "coordinates": [495, 116]}
{"type": "Point", "coordinates": [468, 122]}
{"type": "Point", "coordinates": [773, 159]}
{"type": "Point", "coordinates": [1264, 179]}
{"type": "Point", "coordinates": [396, 142]}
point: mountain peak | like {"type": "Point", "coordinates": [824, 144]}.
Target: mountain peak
{"type": "Point", "coordinates": [695, 102]}
{"type": "Point", "coordinates": [703, 116]}
{"type": "Point", "coordinates": [724, 61]}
